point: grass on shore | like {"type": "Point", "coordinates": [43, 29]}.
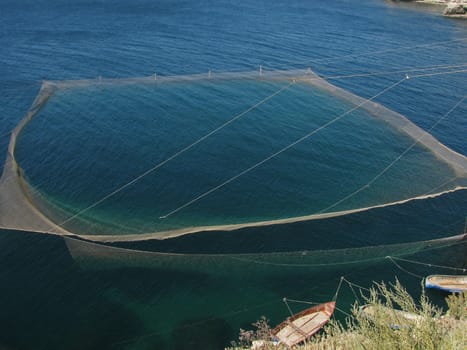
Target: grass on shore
{"type": "Point", "coordinates": [386, 329]}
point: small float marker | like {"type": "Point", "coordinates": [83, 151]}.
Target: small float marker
{"type": "Point", "coordinates": [260, 70]}
{"type": "Point", "coordinates": [407, 76]}
{"type": "Point", "coordinates": [155, 76]}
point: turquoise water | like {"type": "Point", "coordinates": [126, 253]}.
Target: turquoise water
{"type": "Point", "coordinates": [87, 141]}
{"type": "Point", "coordinates": [101, 137]}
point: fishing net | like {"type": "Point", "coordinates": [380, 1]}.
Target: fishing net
{"type": "Point", "coordinates": [92, 255]}
{"type": "Point", "coordinates": [230, 184]}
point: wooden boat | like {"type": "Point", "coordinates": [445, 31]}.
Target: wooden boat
{"type": "Point", "coordinates": [447, 283]}
{"type": "Point", "coordinates": [303, 325]}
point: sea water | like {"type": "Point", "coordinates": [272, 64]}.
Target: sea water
{"type": "Point", "coordinates": [51, 301]}
{"type": "Point", "coordinates": [99, 138]}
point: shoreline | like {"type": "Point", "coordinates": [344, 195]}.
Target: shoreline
{"type": "Point", "coordinates": [456, 9]}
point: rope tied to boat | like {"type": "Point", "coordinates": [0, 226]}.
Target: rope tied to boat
{"type": "Point", "coordinates": [462, 269]}
{"type": "Point", "coordinates": [285, 300]}
{"type": "Point", "coordinates": [338, 288]}
{"type": "Point", "coordinates": [288, 307]}
{"type": "Point", "coordinates": [403, 269]}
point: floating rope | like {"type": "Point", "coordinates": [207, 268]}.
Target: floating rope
{"type": "Point", "coordinates": [390, 72]}
{"type": "Point", "coordinates": [356, 285]}
{"type": "Point", "coordinates": [300, 301]}
{"type": "Point", "coordinates": [288, 307]}
{"type": "Point", "coordinates": [368, 53]}
{"type": "Point", "coordinates": [439, 73]}
{"type": "Point", "coordinates": [344, 312]}
{"type": "Point", "coordinates": [435, 189]}
{"type": "Point", "coordinates": [285, 300]}
{"type": "Point", "coordinates": [353, 291]}
{"type": "Point", "coordinates": [402, 269]}
{"type": "Point", "coordinates": [175, 155]}
{"type": "Point", "coordinates": [282, 150]}
{"type": "Point", "coordinates": [428, 264]}
{"type": "Point", "coordinates": [353, 262]}
{"type": "Point", "coordinates": [390, 165]}
{"type": "Point", "coordinates": [338, 288]}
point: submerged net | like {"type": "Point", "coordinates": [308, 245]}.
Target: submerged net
{"type": "Point", "coordinates": [98, 256]}
{"type": "Point", "coordinates": [24, 206]}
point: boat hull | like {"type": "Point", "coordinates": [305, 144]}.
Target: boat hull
{"type": "Point", "coordinates": [304, 324]}
{"type": "Point", "coordinates": [447, 283]}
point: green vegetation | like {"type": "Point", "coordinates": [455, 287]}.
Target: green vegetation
{"type": "Point", "coordinates": [420, 326]}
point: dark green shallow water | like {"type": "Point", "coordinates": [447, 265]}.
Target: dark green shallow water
{"type": "Point", "coordinates": [96, 304]}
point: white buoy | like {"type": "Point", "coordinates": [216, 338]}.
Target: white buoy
{"type": "Point", "coordinates": [260, 70]}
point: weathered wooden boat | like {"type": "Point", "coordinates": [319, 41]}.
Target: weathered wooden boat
{"type": "Point", "coordinates": [447, 283]}
{"type": "Point", "coordinates": [301, 326]}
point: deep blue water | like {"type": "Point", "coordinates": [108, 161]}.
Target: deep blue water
{"type": "Point", "coordinates": [49, 301]}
